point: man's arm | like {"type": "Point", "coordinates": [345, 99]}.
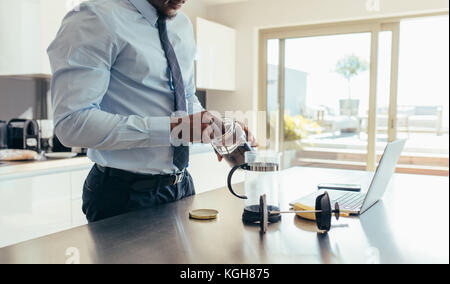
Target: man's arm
{"type": "Point", "coordinates": [81, 57]}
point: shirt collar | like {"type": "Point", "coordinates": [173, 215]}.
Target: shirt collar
{"type": "Point", "coordinates": [147, 10]}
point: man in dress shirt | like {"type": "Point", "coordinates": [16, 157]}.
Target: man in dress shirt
{"type": "Point", "coordinates": [121, 69]}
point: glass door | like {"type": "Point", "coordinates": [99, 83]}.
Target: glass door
{"type": "Point", "coordinates": [326, 100]}
{"type": "Point", "coordinates": [423, 100]}
{"type": "Point", "coordinates": [337, 94]}
{"type": "Point", "coordinates": [324, 113]}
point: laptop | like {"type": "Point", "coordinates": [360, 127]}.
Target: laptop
{"type": "Point", "coordinates": [356, 203]}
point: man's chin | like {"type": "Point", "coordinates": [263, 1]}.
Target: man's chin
{"type": "Point", "coordinates": [171, 13]}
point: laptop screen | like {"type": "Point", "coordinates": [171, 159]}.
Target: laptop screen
{"type": "Point", "coordinates": [384, 173]}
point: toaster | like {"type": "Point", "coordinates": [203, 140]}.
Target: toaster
{"type": "Point", "coordinates": [3, 131]}
{"type": "Point", "coordinates": [23, 134]}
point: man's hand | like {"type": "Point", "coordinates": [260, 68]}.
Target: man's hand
{"type": "Point", "coordinates": [202, 126]}
{"type": "Point", "coordinates": [250, 138]}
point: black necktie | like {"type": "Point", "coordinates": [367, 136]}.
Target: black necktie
{"type": "Point", "coordinates": [181, 153]}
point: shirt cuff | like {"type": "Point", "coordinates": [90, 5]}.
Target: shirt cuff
{"type": "Point", "coordinates": [159, 131]}
{"type": "Point", "coordinates": [195, 108]}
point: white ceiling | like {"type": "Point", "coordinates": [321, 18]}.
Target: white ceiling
{"type": "Point", "coordinates": [217, 2]}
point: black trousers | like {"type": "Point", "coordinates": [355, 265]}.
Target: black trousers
{"type": "Point", "coordinates": [105, 196]}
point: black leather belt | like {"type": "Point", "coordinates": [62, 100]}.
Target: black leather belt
{"type": "Point", "coordinates": [141, 182]}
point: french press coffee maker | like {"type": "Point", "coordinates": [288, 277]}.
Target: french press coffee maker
{"type": "Point", "coordinates": [261, 178]}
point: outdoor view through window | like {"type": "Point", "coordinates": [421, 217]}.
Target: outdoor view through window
{"type": "Point", "coordinates": [327, 90]}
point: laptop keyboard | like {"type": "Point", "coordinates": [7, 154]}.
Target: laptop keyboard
{"type": "Point", "coordinates": [350, 201]}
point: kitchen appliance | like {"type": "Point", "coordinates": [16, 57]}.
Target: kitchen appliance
{"type": "Point", "coordinates": [232, 145]}
{"type": "Point", "coordinates": [58, 147]}
{"type": "Point", "coordinates": [23, 134]}
{"type": "Point", "coordinates": [261, 178]}
{"type": "Point", "coordinates": [46, 133]}
{"type": "Point", "coordinates": [3, 131]}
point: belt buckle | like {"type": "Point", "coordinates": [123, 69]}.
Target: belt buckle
{"type": "Point", "coordinates": [178, 177]}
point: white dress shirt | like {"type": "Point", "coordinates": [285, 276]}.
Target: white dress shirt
{"type": "Point", "coordinates": [111, 85]}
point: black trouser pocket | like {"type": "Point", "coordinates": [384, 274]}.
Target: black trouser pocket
{"type": "Point", "coordinates": [103, 196]}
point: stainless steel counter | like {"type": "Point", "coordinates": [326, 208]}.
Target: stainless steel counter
{"type": "Point", "coordinates": [390, 232]}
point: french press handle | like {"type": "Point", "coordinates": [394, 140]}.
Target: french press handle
{"type": "Point", "coordinates": [230, 175]}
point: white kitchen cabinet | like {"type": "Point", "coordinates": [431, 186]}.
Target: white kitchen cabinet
{"type": "Point", "coordinates": [216, 57]}
{"type": "Point", "coordinates": [52, 13]}
{"type": "Point", "coordinates": [41, 198]}
{"type": "Point", "coordinates": [20, 51]}
{"type": "Point", "coordinates": [77, 179]}
{"type": "Point", "coordinates": [78, 217]}
{"type": "Point", "coordinates": [209, 174]}
{"type": "Point", "coordinates": [27, 27]}
{"type": "Point", "coordinates": [34, 206]}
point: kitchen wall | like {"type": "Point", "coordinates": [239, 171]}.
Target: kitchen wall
{"type": "Point", "coordinates": [250, 16]}
{"type": "Point", "coordinates": [17, 98]}
{"type": "Point", "coordinates": [194, 9]}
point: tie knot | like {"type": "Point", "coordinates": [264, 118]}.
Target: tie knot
{"type": "Point", "coordinates": [162, 22]}
{"type": "Point", "coordinates": [161, 17]}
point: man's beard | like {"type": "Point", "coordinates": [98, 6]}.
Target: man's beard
{"type": "Point", "coordinates": [164, 9]}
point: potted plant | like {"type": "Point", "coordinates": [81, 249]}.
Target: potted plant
{"type": "Point", "coordinates": [350, 66]}
{"type": "Point", "coordinates": [296, 129]}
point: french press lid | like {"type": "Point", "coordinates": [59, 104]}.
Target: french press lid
{"type": "Point", "coordinates": [263, 161]}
